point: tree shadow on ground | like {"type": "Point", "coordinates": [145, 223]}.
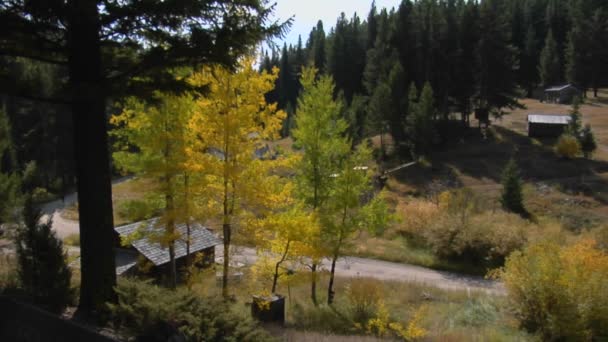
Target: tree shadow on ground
{"type": "Point", "coordinates": [481, 161]}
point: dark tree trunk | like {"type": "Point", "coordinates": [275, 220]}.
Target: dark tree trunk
{"type": "Point", "coordinates": [313, 284]}
{"type": "Point", "coordinates": [275, 279]}
{"type": "Point", "coordinates": [98, 273]}
{"type": "Point", "coordinates": [227, 237]}
{"type": "Point", "coordinates": [171, 232]}
{"type": "Point", "coordinates": [330, 288]}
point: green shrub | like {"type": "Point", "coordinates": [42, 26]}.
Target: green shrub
{"type": "Point", "coordinates": [587, 140]}
{"type": "Point", "coordinates": [477, 312]}
{"type": "Point", "coordinates": [512, 198]}
{"type": "Point", "coordinates": [137, 210]}
{"type": "Point", "coordinates": [144, 309]}
{"type": "Point", "coordinates": [42, 268]}
{"type": "Point", "coordinates": [483, 239]}
{"type": "Point", "coordinates": [41, 195]}
{"type": "Point", "coordinates": [567, 146]}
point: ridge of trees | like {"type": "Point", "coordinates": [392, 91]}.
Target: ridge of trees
{"type": "Point", "coordinates": [475, 55]}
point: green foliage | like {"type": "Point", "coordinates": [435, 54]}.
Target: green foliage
{"type": "Point", "coordinates": [567, 146]}
{"type": "Point", "coordinates": [575, 125]}
{"type": "Point", "coordinates": [512, 196]}
{"type": "Point", "coordinates": [477, 312]}
{"type": "Point", "coordinates": [43, 270]}
{"type": "Point", "coordinates": [560, 292]}
{"type": "Point", "coordinates": [139, 210]}
{"type": "Point", "coordinates": [587, 140]}
{"type": "Point", "coordinates": [420, 126]}
{"type": "Point", "coordinates": [321, 133]}
{"type": "Point", "coordinates": [151, 139]}
{"type": "Point", "coordinates": [142, 308]}
{"type": "Point", "coordinates": [10, 182]}
{"type": "Point", "coordinates": [10, 196]}
{"type": "Point", "coordinates": [550, 67]}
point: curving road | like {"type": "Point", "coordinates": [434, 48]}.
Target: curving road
{"type": "Point", "coordinates": [384, 270]}
{"type": "Point", "coordinates": [345, 267]}
{"type": "Point", "coordinates": [64, 227]}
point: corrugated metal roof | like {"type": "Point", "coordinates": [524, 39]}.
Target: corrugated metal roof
{"type": "Point", "coordinates": [549, 119]}
{"type": "Point", "coordinates": [200, 238]}
{"type": "Point", "coordinates": [560, 88]}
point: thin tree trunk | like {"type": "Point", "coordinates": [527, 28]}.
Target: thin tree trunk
{"type": "Point", "coordinates": [330, 288]}
{"type": "Point", "coordinates": [227, 233]}
{"type": "Point", "coordinates": [171, 232]}
{"type": "Point", "coordinates": [97, 236]}
{"type": "Point", "coordinates": [313, 283]}
{"type": "Point", "coordinates": [276, 268]}
{"type": "Point", "coordinates": [187, 210]}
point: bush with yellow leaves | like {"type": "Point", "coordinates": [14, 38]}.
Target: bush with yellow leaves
{"type": "Point", "coordinates": [463, 229]}
{"type": "Point", "coordinates": [560, 292]}
{"type": "Point", "coordinates": [567, 146]}
{"type": "Point", "coordinates": [383, 326]}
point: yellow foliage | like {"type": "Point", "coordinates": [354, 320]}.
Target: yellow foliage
{"type": "Point", "coordinates": [379, 325]}
{"type": "Point", "coordinates": [418, 215]}
{"type": "Point", "coordinates": [382, 326]}
{"type": "Point", "coordinates": [567, 146]}
{"type": "Point", "coordinates": [230, 131]}
{"type": "Point", "coordinates": [560, 292]}
{"type": "Point", "coordinates": [414, 330]}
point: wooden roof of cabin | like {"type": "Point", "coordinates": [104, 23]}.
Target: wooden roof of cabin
{"type": "Point", "coordinates": [149, 246]}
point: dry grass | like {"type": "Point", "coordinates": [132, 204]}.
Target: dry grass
{"type": "Point", "coordinates": [448, 313]}
{"type": "Point", "coordinates": [133, 189]}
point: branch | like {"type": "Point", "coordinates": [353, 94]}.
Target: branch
{"type": "Point", "coordinates": [51, 100]}
{"type": "Point", "coordinates": [33, 57]}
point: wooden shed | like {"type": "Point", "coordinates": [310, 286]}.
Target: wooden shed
{"type": "Point", "coordinates": [144, 245]}
{"type": "Point", "coordinates": [547, 125]}
{"type": "Point", "coordinates": [563, 94]}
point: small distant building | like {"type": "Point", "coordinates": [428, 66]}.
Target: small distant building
{"type": "Point", "coordinates": [146, 248]}
{"type": "Point", "coordinates": [547, 125]}
{"type": "Point", "coordinates": [563, 94]}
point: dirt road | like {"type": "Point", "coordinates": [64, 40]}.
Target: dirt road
{"type": "Point", "coordinates": [345, 267]}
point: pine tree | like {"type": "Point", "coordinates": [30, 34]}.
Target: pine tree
{"type": "Point", "coordinates": [379, 113]}
{"type": "Point", "coordinates": [549, 67]}
{"type": "Point", "coordinates": [10, 184]}
{"type": "Point", "coordinates": [529, 61]}
{"type": "Point", "coordinates": [575, 124]}
{"type": "Point", "coordinates": [587, 140]}
{"type": "Point", "coordinates": [372, 26]}
{"type": "Point", "coordinates": [111, 50]}
{"type": "Point", "coordinates": [496, 60]}
{"type": "Point", "coordinates": [42, 267]}
{"type": "Point", "coordinates": [319, 55]}
{"type": "Point", "coordinates": [421, 128]}
{"type": "Point", "coordinates": [397, 115]}
{"type": "Point", "coordinates": [512, 197]}
{"type": "Point", "coordinates": [598, 49]}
